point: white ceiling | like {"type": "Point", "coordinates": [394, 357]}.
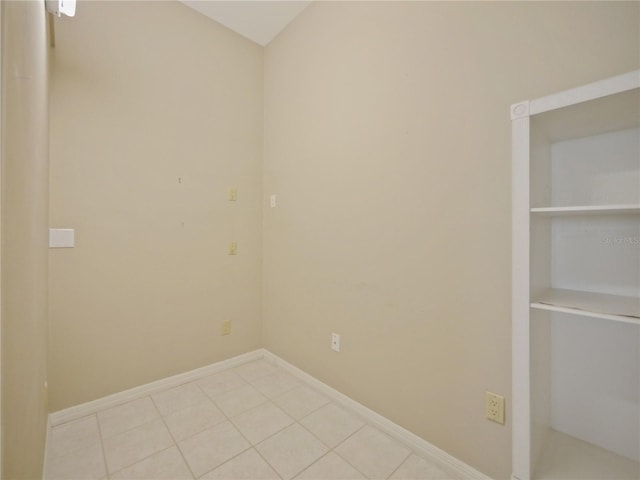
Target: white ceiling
{"type": "Point", "coordinates": [259, 20]}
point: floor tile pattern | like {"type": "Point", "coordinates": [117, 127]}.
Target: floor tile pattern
{"type": "Point", "coordinates": [252, 422]}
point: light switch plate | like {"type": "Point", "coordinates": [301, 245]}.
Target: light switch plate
{"type": "Point", "coordinates": [62, 238]}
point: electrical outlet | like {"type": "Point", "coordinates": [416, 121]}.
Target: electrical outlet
{"type": "Point", "coordinates": [232, 194]}
{"type": "Point", "coordinates": [233, 248]}
{"type": "Point", "coordinates": [335, 342]}
{"type": "Point", "coordinates": [226, 328]}
{"type": "Point", "coordinates": [494, 407]}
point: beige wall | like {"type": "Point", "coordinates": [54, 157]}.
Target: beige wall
{"type": "Point", "coordinates": [24, 214]}
{"type": "Point", "coordinates": [145, 94]}
{"type": "Point", "coordinates": [387, 142]}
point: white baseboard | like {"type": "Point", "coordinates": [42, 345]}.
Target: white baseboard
{"type": "Point", "coordinates": [416, 443]}
{"type": "Point", "coordinates": [411, 440]}
{"type": "Point", "coordinates": [94, 406]}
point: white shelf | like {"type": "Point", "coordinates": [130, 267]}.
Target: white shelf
{"type": "Point", "coordinates": [598, 305]}
{"type": "Point", "coordinates": [629, 209]}
{"type": "Point", "coordinates": [613, 112]}
{"type": "Point", "coordinates": [568, 458]}
{"type": "Point", "coordinates": [593, 91]}
{"type": "Point", "coordinates": [576, 221]}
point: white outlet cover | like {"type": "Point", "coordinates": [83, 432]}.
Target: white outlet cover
{"type": "Point", "coordinates": [335, 342]}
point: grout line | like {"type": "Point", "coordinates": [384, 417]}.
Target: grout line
{"type": "Point", "coordinates": [159, 417]}
{"type": "Point", "coordinates": [226, 461]}
{"type": "Point", "coordinates": [254, 446]}
{"type": "Point", "coordinates": [225, 392]}
{"type": "Point", "coordinates": [312, 464]}
{"type": "Point", "coordinates": [135, 393]}
{"type": "Point", "coordinates": [227, 419]}
{"type": "Point", "coordinates": [251, 444]}
{"type": "Point", "coordinates": [297, 421]}
{"type": "Point", "coordinates": [333, 449]}
{"type": "Point", "coordinates": [418, 445]}
{"type": "Point", "coordinates": [270, 435]}
{"type": "Point", "coordinates": [145, 458]}
{"type": "Point", "coordinates": [104, 452]}
{"type": "Point", "coordinates": [303, 380]}
{"type": "Point", "coordinates": [267, 462]}
{"type": "Point", "coordinates": [175, 442]}
{"type": "Point", "coordinates": [400, 464]}
{"type": "Point", "coordinates": [269, 400]}
{"type": "Point", "coordinates": [50, 429]}
{"type": "Point", "coordinates": [128, 429]}
{"type": "Point", "coordinates": [140, 459]}
{"type": "Point", "coordinates": [306, 414]}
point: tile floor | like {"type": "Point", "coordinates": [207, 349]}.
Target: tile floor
{"type": "Point", "coordinates": [251, 422]}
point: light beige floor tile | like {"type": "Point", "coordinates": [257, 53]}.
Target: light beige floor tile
{"type": "Point", "coordinates": [134, 445]}
{"type": "Point", "coordinates": [246, 466]}
{"type": "Point", "coordinates": [330, 467]}
{"type": "Point", "coordinates": [332, 424]}
{"type": "Point", "coordinates": [261, 422]}
{"type": "Point", "coordinates": [216, 385]}
{"type": "Point", "coordinates": [138, 445]}
{"type": "Point", "coordinates": [239, 400]}
{"type": "Point", "coordinates": [418, 468]}
{"type": "Point", "coordinates": [84, 463]}
{"type": "Point", "coordinates": [178, 398]}
{"type": "Point", "coordinates": [276, 383]}
{"type": "Point", "coordinates": [127, 416]}
{"type": "Point", "coordinates": [292, 450]}
{"type": "Point", "coordinates": [189, 421]}
{"type": "Point", "coordinates": [372, 452]}
{"type": "Point", "coordinates": [301, 401]}
{"type": "Point", "coordinates": [212, 447]}
{"type": "Point", "coordinates": [167, 464]}
{"type": "Point", "coordinates": [74, 435]}
{"type": "Point", "coordinates": [254, 370]}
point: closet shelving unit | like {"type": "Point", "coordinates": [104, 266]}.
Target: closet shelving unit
{"type": "Point", "coordinates": [576, 283]}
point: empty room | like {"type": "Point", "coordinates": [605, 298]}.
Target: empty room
{"type": "Point", "coordinates": [320, 240]}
